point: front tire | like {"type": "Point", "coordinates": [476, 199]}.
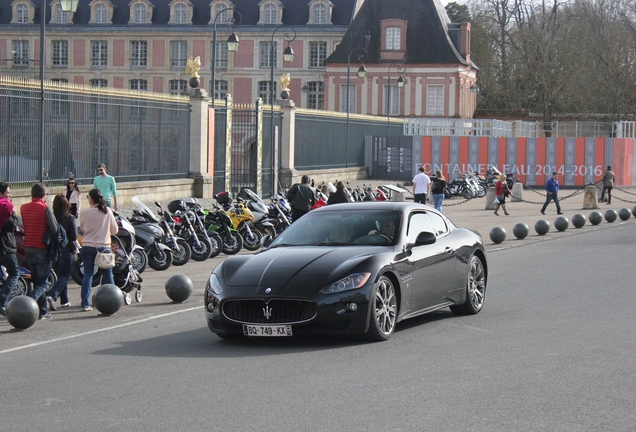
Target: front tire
{"type": "Point", "coordinates": [475, 289]}
{"type": "Point", "coordinates": [201, 251]}
{"type": "Point", "coordinates": [251, 241]}
{"type": "Point", "coordinates": [385, 310]}
{"type": "Point", "coordinates": [160, 259]}
{"type": "Point", "coordinates": [139, 260]}
{"type": "Point", "coordinates": [232, 245]}
{"type": "Point", "coordinates": [181, 253]}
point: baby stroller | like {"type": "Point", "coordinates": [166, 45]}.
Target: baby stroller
{"type": "Point", "coordinates": [124, 274]}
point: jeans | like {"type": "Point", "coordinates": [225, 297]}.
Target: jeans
{"type": "Point", "coordinates": [63, 269]}
{"type": "Point", "coordinates": [40, 268]}
{"type": "Point", "coordinates": [438, 199]}
{"type": "Point", "coordinates": [607, 189]}
{"type": "Point", "coordinates": [549, 197]}
{"type": "Point", "coordinates": [10, 263]}
{"type": "Point", "coordinates": [88, 254]}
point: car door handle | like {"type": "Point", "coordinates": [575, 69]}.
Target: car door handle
{"type": "Point", "coordinates": [449, 250]}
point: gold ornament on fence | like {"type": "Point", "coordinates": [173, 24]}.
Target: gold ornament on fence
{"type": "Point", "coordinates": [285, 79]}
{"type": "Point", "coordinates": [193, 66]}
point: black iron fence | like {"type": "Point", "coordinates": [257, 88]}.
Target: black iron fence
{"type": "Point", "coordinates": [138, 135]}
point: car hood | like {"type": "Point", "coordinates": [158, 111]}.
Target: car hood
{"type": "Point", "coordinates": [287, 267]}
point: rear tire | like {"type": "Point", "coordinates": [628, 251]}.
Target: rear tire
{"type": "Point", "coordinates": [475, 289]}
{"type": "Point", "coordinates": [216, 243]}
{"type": "Point", "coordinates": [139, 260]}
{"type": "Point", "coordinates": [77, 273]}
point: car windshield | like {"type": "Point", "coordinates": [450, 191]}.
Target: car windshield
{"type": "Point", "coordinates": [342, 228]}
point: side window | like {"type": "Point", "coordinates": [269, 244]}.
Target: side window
{"type": "Point", "coordinates": [419, 222]}
{"type": "Point", "coordinates": [439, 224]}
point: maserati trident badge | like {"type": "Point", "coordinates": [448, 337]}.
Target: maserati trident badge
{"type": "Point", "coordinates": [268, 290]}
{"type": "Point", "coordinates": [267, 312]}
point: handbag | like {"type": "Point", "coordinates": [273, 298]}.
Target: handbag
{"type": "Point", "coordinates": [496, 201]}
{"type": "Point", "coordinates": [105, 259]}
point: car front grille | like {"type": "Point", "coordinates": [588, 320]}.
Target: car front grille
{"type": "Point", "coordinates": [271, 312]}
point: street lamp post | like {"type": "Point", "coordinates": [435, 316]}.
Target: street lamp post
{"type": "Point", "coordinates": [288, 57]}
{"type": "Point", "coordinates": [67, 6]}
{"type": "Point", "coordinates": [362, 72]}
{"type": "Point", "coordinates": [400, 83]}
{"type": "Point", "coordinates": [232, 41]}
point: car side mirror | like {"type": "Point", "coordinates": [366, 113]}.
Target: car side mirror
{"type": "Point", "coordinates": [266, 240]}
{"type": "Point", "coordinates": [423, 238]}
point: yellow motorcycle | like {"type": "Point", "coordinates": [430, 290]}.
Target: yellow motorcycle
{"type": "Point", "coordinates": [242, 217]}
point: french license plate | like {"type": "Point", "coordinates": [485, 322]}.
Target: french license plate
{"type": "Point", "coordinates": [255, 330]}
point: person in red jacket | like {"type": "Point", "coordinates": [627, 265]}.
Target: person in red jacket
{"type": "Point", "coordinates": [37, 218]}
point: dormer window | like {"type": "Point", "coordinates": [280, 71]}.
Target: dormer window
{"type": "Point", "coordinates": [271, 12]}
{"type": "Point", "coordinates": [140, 12]}
{"type": "Point", "coordinates": [215, 9]}
{"type": "Point", "coordinates": [393, 43]}
{"type": "Point", "coordinates": [180, 12]}
{"type": "Point", "coordinates": [23, 12]}
{"type": "Point", "coordinates": [101, 12]}
{"type": "Point", "coordinates": [320, 12]}
{"type": "Point", "coordinates": [61, 17]}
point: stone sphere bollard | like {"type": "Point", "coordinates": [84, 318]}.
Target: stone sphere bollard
{"type": "Point", "coordinates": [497, 235]}
{"type": "Point", "coordinates": [179, 287]}
{"type": "Point", "coordinates": [520, 230]}
{"type": "Point", "coordinates": [22, 312]}
{"type": "Point", "coordinates": [595, 218]}
{"type": "Point", "coordinates": [611, 215]}
{"type": "Point", "coordinates": [542, 227]}
{"type": "Point", "coordinates": [561, 223]}
{"type": "Point", "coordinates": [634, 211]}
{"type": "Point", "coordinates": [624, 214]}
{"type": "Point", "coordinates": [578, 220]}
{"type": "Point", "coordinates": [108, 299]}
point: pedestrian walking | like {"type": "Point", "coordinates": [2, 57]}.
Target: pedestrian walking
{"type": "Point", "coordinates": [37, 219]}
{"type": "Point", "coordinates": [552, 193]}
{"type": "Point", "coordinates": [106, 185]}
{"type": "Point", "coordinates": [608, 184]}
{"type": "Point", "coordinates": [73, 196]}
{"type": "Point", "coordinates": [301, 197]}
{"type": "Point", "coordinates": [8, 249]}
{"type": "Point", "coordinates": [63, 265]}
{"type": "Point", "coordinates": [97, 224]}
{"type": "Point", "coordinates": [437, 189]}
{"type": "Point", "coordinates": [421, 186]}
{"type": "Point", "coordinates": [502, 192]}
{"type": "Point", "coordinates": [339, 195]}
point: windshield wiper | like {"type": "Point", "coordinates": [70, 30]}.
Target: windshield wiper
{"type": "Point", "coordinates": [334, 244]}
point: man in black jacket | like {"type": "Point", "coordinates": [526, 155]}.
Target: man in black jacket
{"type": "Point", "coordinates": [301, 197]}
{"type": "Point", "coordinates": [8, 258]}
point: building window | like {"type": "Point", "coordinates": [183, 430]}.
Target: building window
{"type": "Point", "coordinates": [220, 89]}
{"type": "Point", "coordinates": [352, 98]}
{"type": "Point", "coordinates": [99, 108]}
{"type": "Point", "coordinates": [180, 16]}
{"type": "Point", "coordinates": [315, 95]}
{"type": "Point", "coordinates": [140, 14]}
{"type": "Point", "coordinates": [23, 14]}
{"type": "Point", "coordinates": [178, 87]}
{"type": "Point", "coordinates": [99, 53]}
{"type": "Point", "coordinates": [20, 53]}
{"type": "Point", "coordinates": [139, 53]}
{"type": "Point", "coordinates": [392, 41]}
{"type": "Point", "coordinates": [264, 91]}
{"type": "Point", "coordinates": [222, 16]}
{"type": "Point", "coordinates": [317, 54]}
{"type": "Point", "coordinates": [98, 83]}
{"type": "Point", "coordinates": [99, 151]}
{"type": "Point", "coordinates": [178, 53]}
{"type": "Point", "coordinates": [320, 14]}
{"type": "Point", "coordinates": [435, 100]}
{"type": "Point", "coordinates": [138, 156]}
{"type": "Point", "coordinates": [221, 54]}
{"type": "Point", "coordinates": [138, 110]}
{"type": "Point", "coordinates": [100, 14]}
{"type": "Point", "coordinates": [59, 101]}
{"type": "Point", "coordinates": [267, 54]}
{"type": "Point", "coordinates": [394, 103]}
{"type": "Point", "coordinates": [59, 54]}
{"type": "Point", "coordinates": [61, 17]}
{"type": "Point", "coordinates": [138, 84]}
{"type": "Point", "coordinates": [20, 104]}
{"type": "Point", "coordinates": [269, 14]}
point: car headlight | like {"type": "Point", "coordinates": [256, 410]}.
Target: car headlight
{"type": "Point", "coordinates": [214, 285]}
{"type": "Point", "coordinates": [354, 281]}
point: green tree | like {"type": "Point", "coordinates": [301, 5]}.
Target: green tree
{"type": "Point", "coordinates": [457, 12]}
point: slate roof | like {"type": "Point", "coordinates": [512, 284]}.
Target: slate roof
{"type": "Point", "coordinates": [427, 35]}
{"type": "Point", "coordinates": [295, 12]}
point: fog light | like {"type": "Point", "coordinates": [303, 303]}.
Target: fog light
{"type": "Point", "coordinates": [211, 307]}
{"type": "Point", "coordinates": [352, 307]}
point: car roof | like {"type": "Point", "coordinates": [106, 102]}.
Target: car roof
{"type": "Point", "coordinates": [401, 206]}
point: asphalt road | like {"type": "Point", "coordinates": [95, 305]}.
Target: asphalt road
{"type": "Point", "coordinates": [552, 350]}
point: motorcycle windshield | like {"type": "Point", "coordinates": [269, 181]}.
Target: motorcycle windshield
{"type": "Point", "coordinates": [143, 208]}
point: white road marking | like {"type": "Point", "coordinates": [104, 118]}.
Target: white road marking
{"type": "Point", "coordinates": [98, 330]}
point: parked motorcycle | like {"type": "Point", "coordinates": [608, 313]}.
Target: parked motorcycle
{"type": "Point", "coordinates": [219, 222]}
{"type": "Point", "coordinates": [242, 219]}
{"type": "Point", "coordinates": [181, 250]}
{"type": "Point", "coordinates": [260, 211]}
{"type": "Point", "coordinates": [200, 242]}
{"type": "Point", "coordinates": [149, 235]}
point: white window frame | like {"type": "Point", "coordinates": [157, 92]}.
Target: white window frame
{"type": "Point", "coordinates": [320, 13]}
{"type": "Point", "coordinates": [316, 95]}
{"type": "Point", "coordinates": [20, 53]}
{"type": "Point", "coordinates": [435, 100]}
{"type": "Point", "coordinates": [264, 91]}
{"type": "Point", "coordinates": [221, 89]}
{"type": "Point", "coordinates": [61, 17]}
{"type": "Point", "coordinates": [22, 12]}
{"type": "Point", "coordinates": [393, 38]}
{"type": "Point", "coordinates": [59, 102]}
{"type": "Point", "coordinates": [99, 53]}
{"type": "Point", "coordinates": [140, 13]}
{"type": "Point", "coordinates": [222, 19]}
{"type": "Point", "coordinates": [265, 52]}
{"type": "Point", "coordinates": [59, 53]}
{"type": "Point", "coordinates": [178, 53]}
{"type": "Point", "coordinates": [395, 100]}
{"type": "Point", "coordinates": [270, 14]}
{"type": "Point", "coordinates": [317, 54]}
{"type": "Point", "coordinates": [180, 14]}
{"type": "Point", "coordinates": [101, 13]}
{"type": "Point", "coordinates": [221, 58]}
{"type": "Point", "coordinates": [138, 155]}
{"type": "Point", "coordinates": [178, 87]}
{"type": "Point", "coordinates": [138, 53]}
{"type": "Point", "coordinates": [352, 98]}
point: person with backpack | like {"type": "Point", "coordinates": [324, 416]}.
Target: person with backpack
{"type": "Point", "coordinates": [437, 189]}
{"type": "Point", "coordinates": [64, 263]}
{"type": "Point", "coordinates": [8, 249]}
{"type": "Point", "coordinates": [39, 222]}
{"type": "Point", "coordinates": [301, 197]}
